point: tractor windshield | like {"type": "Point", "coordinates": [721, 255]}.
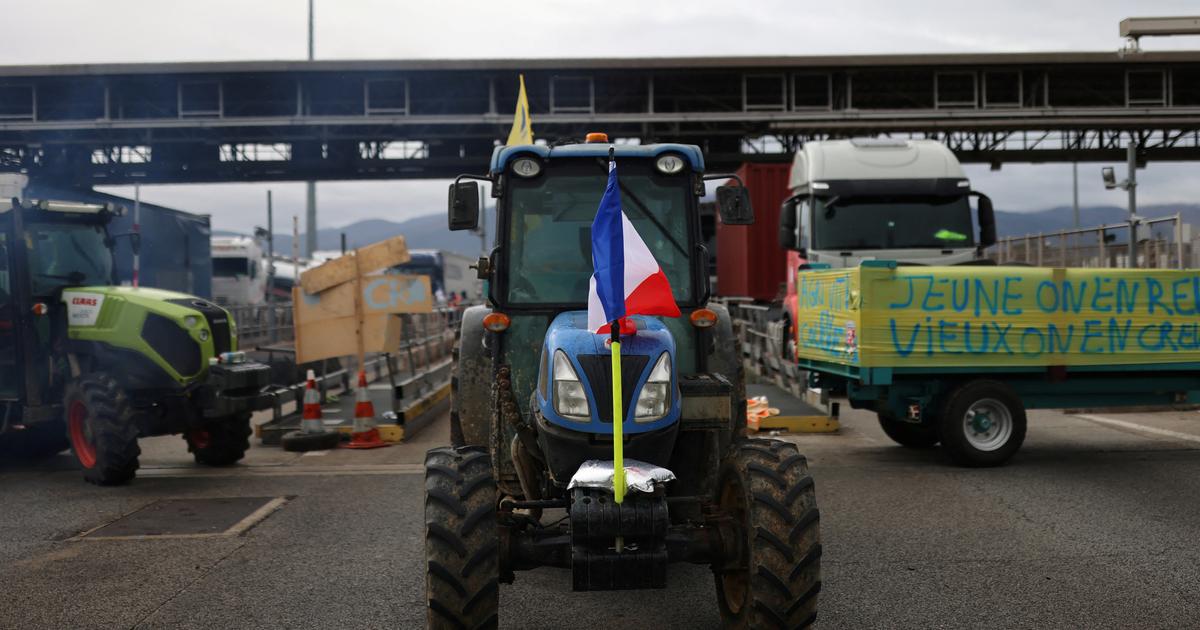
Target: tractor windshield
{"type": "Point", "coordinates": [67, 254]}
{"type": "Point", "coordinates": [550, 223]}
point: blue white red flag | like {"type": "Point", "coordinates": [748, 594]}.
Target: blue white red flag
{"type": "Point", "coordinates": [626, 280]}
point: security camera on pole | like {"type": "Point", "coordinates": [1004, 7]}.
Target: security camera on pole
{"type": "Point", "coordinates": [1129, 184]}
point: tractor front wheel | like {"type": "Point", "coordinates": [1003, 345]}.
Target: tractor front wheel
{"type": "Point", "coordinates": [103, 436]}
{"type": "Point", "coordinates": [773, 579]}
{"type": "Point", "coordinates": [462, 544]}
{"type": "Point", "coordinates": [221, 442]}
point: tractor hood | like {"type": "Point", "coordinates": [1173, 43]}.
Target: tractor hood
{"type": "Point", "coordinates": [572, 353]}
{"type": "Point", "coordinates": [179, 332]}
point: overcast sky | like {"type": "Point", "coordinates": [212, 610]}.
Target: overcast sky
{"type": "Point", "coordinates": [79, 31]}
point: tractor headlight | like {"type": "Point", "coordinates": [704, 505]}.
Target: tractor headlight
{"type": "Point", "coordinates": [204, 334]}
{"type": "Point", "coordinates": [570, 399]}
{"type": "Point", "coordinates": [655, 398]}
{"type": "Point", "coordinates": [191, 321]}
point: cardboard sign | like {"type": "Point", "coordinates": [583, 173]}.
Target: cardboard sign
{"type": "Point", "coordinates": [328, 324]}
{"type": "Point", "coordinates": [364, 260]}
{"type": "Point", "coordinates": [998, 316]}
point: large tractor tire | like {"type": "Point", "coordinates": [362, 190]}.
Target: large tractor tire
{"type": "Point", "coordinates": [101, 430]}
{"type": "Point", "coordinates": [221, 442]}
{"type": "Point", "coordinates": [765, 488]}
{"type": "Point", "coordinates": [908, 434]}
{"type": "Point", "coordinates": [982, 424]}
{"type": "Point", "coordinates": [462, 546]}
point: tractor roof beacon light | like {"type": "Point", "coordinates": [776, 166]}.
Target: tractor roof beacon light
{"type": "Point", "coordinates": [596, 137]}
{"type": "Point", "coordinates": [496, 322]}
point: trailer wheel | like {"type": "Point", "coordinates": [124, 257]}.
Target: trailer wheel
{"type": "Point", "coordinates": [103, 436]}
{"type": "Point", "coordinates": [774, 575]}
{"type": "Point", "coordinates": [462, 543]}
{"type": "Point", "coordinates": [908, 434]}
{"type": "Point", "coordinates": [221, 442]}
{"type": "Point", "coordinates": [983, 424]}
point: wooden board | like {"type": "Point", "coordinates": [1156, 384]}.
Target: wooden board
{"type": "Point", "coordinates": [326, 324]}
{"type": "Point", "coordinates": [371, 258]}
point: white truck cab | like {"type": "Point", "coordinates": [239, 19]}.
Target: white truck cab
{"type": "Point", "coordinates": [879, 198]}
{"type": "Point", "coordinates": [239, 271]}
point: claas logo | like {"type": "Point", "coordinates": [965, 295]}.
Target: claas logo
{"type": "Point", "coordinates": [83, 301]}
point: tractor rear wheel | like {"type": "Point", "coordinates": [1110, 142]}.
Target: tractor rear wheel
{"type": "Point", "coordinates": [774, 578]}
{"type": "Point", "coordinates": [221, 442]}
{"type": "Point", "coordinates": [102, 433]}
{"type": "Point", "coordinates": [462, 544]}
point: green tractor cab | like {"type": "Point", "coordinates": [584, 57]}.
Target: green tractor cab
{"type": "Point", "coordinates": [94, 366]}
{"type": "Point", "coordinates": [532, 417]}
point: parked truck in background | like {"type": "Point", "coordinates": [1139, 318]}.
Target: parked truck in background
{"type": "Point", "coordinates": [878, 199]}
{"type": "Point", "coordinates": [239, 271]}
{"type": "Point", "coordinates": [449, 273]}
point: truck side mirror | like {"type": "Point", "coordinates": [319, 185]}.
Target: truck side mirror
{"type": "Point", "coordinates": [787, 223]}
{"type": "Point", "coordinates": [464, 205]}
{"type": "Point", "coordinates": [733, 203]}
{"type": "Point", "coordinates": [987, 221]}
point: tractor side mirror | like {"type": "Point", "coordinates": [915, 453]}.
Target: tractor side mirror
{"type": "Point", "coordinates": [987, 221]}
{"type": "Point", "coordinates": [733, 203]}
{"type": "Point", "coordinates": [464, 205]}
{"type": "Point", "coordinates": [787, 223]}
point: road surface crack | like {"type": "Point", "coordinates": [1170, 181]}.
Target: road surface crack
{"type": "Point", "coordinates": [203, 574]}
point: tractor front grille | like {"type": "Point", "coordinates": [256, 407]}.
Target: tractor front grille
{"type": "Point", "coordinates": [172, 343]}
{"type": "Point", "coordinates": [597, 369]}
{"type": "Point", "coordinates": [218, 322]}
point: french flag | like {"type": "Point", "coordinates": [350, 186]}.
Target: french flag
{"type": "Point", "coordinates": [626, 279]}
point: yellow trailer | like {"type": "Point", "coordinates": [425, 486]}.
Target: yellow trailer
{"type": "Point", "coordinates": [956, 354]}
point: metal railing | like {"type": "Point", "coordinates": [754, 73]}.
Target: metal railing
{"type": "Point", "coordinates": [262, 324]}
{"type": "Point", "coordinates": [1164, 243]}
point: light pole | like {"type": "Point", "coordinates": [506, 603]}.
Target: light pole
{"type": "Point", "coordinates": [1128, 184]}
{"type": "Point", "coordinates": [310, 187]}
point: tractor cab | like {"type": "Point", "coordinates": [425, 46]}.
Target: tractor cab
{"type": "Point", "coordinates": [532, 412]}
{"type": "Point", "coordinates": [45, 247]}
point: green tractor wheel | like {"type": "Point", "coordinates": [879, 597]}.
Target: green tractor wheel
{"type": "Point", "coordinates": [102, 434]}
{"type": "Point", "coordinates": [221, 442]}
{"type": "Point", "coordinates": [766, 491]}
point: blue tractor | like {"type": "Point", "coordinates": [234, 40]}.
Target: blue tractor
{"type": "Point", "coordinates": [532, 402]}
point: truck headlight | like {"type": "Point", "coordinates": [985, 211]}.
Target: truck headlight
{"type": "Point", "coordinates": [570, 399]}
{"type": "Point", "coordinates": [655, 398]}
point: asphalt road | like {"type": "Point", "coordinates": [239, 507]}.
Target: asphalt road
{"type": "Point", "coordinates": [1094, 524]}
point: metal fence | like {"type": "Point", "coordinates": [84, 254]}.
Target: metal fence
{"type": "Point", "coordinates": [263, 324]}
{"type": "Point", "coordinates": [1164, 243]}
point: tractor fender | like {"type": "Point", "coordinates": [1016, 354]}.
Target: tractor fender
{"type": "Point", "coordinates": [725, 358]}
{"type": "Point", "coordinates": [471, 386]}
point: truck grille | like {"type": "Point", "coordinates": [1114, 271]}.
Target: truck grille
{"type": "Point", "coordinates": [218, 322]}
{"type": "Point", "coordinates": [597, 369]}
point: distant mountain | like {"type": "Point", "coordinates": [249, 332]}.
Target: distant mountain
{"type": "Point", "coordinates": [1061, 218]}
{"type": "Point", "coordinates": [421, 232]}
{"type": "Point", "coordinates": [429, 231]}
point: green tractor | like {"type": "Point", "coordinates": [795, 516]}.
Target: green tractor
{"type": "Point", "coordinates": [532, 414]}
{"type": "Point", "coordinates": [93, 366]}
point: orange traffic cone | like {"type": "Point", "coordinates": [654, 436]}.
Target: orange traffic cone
{"type": "Point", "coordinates": [310, 419]}
{"type": "Point", "coordinates": [364, 434]}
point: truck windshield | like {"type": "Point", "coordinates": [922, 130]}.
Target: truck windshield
{"type": "Point", "coordinates": [550, 222]}
{"type": "Point", "coordinates": [892, 223]}
{"type": "Point", "coordinates": [67, 254]}
{"type": "Point", "coordinates": [230, 267]}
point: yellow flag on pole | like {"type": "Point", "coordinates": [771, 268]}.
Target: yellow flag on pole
{"type": "Point", "coordinates": [522, 127]}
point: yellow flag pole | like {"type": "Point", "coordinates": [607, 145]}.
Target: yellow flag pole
{"type": "Point", "coordinates": [618, 416]}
